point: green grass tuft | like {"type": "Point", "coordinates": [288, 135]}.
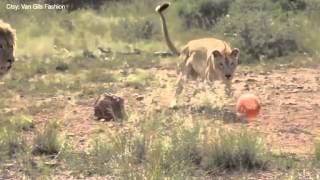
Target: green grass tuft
{"type": "Point", "coordinates": [232, 151]}
{"type": "Point", "coordinates": [49, 141]}
{"type": "Point", "coordinates": [22, 122]}
{"type": "Point", "coordinates": [11, 142]}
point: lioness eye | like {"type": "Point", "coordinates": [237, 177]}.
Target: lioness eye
{"type": "Point", "coordinates": [221, 64]}
{"type": "Point", "coordinates": [1, 46]}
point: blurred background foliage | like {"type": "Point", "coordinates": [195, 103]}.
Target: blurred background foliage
{"type": "Point", "coordinates": [262, 30]}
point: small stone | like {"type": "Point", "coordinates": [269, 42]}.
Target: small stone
{"type": "Point", "coordinates": [139, 98]}
{"type": "Point", "coordinates": [62, 67]}
{"type": "Point", "coordinates": [251, 80]}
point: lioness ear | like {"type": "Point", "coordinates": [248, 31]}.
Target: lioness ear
{"type": "Point", "coordinates": [216, 54]}
{"type": "Point", "coordinates": [235, 53]}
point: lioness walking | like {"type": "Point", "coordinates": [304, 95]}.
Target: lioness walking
{"type": "Point", "coordinates": [208, 59]}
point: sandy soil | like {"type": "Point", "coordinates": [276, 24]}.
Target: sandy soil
{"type": "Point", "coordinates": [290, 107]}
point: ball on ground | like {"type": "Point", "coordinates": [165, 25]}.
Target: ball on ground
{"type": "Point", "coordinates": [248, 106]}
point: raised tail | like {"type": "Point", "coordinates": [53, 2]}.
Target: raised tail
{"type": "Point", "coordinates": [160, 9]}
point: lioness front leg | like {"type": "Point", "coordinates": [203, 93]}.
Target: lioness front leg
{"type": "Point", "coordinates": [228, 89]}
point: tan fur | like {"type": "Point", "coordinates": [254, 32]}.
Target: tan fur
{"type": "Point", "coordinates": [208, 59]}
{"type": "Point", "coordinates": [7, 46]}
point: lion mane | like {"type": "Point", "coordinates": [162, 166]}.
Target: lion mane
{"type": "Point", "coordinates": [7, 31]}
{"type": "Point", "coordinates": [7, 47]}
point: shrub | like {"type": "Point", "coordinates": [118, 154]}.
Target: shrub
{"type": "Point", "coordinates": [139, 80]}
{"type": "Point", "coordinates": [235, 151]}
{"type": "Point", "coordinates": [186, 147]}
{"type": "Point", "coordinates": [139, 148]}
{"type": "Point", "coordinates": [21, 121]}
{"type": "Point", "coordinates": [259, 40]}
{"type": "Point", "coordinates": [261, 32]}
{"type": "Point", "coordinates": [133, 30]}
{"type": "Point", "coordinates": [49, 141]}
{"type": "Point", "coordinates": [10, 142]}
{"type": "Point", "coordinates": [156, 168]}
{"type": "Point", "coordinates": [163, 148]}
{"type": "Point", "coordinates": [317, 151]}
{"type": "Point", "coordinates": [292, 5]}
{"type": "Point", "coordinates": [97, 161]}
{"type": "Point", "coordinates": [203, 14]}
{"type": "Point", "coordinates": [100, 75]}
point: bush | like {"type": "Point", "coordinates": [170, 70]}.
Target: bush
{"type": "Point", "coordinates": [100, 75]}
{"type": "Point", "coordinates": [10, 142]}
{"type": "Point", "coordinates": [292, 5]}
{"type": "Point", "coordinates": [261, 32]}
{"type": "Point", "coordinates": [186, 147]}
{"type": "Point", "coordinates": [260, 39]}
{"type": "Point", "coordinates": [203, 14]}
{"type": "Point", "coordinates": [139, 79]}
{"type": "Point", "coordinates": [139, 148]}
{"type": "Point", "coordinates": [21, 121]}
{"type": "Point", "coordinates": [235, 151]}
{"type": "Point", "coordinates": [49, 141]}
{"type": "Point", "coordinates": [317, 151]}
{"type": "Point", "coordinates": [133, 30]}
{"type": "Point", "coordinates": [167, 147]}
{"type": "Point", "coordinates": [100, 156]}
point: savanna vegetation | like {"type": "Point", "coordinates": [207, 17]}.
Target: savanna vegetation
{"type": "Point", "coordinates": [66, 59]}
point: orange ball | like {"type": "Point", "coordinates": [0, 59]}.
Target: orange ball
{"type": "Point", "coordinates": [248, 105]}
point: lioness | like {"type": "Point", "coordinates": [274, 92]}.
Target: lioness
{"type": "Point", "coordinates": [7, 44]}
{"type": "Point", "coordinates": [209, 59]}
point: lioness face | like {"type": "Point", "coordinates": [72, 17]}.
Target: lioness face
{"type": "Point", "coordinates": [226, 64]}
{"type": "Point", "coordinates": [6, 54]}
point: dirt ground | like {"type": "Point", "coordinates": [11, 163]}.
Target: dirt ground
{"type": "Point", "coordinates": [291, 107]}
{"type": "Point", "coordinates": [289, 118]}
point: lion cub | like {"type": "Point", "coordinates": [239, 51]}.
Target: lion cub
{"type": "Point", "coordinates": [208, 59]}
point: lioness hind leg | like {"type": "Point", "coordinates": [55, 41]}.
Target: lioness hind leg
{"type": "Point", "coordinates": [181, 81]}
{"type": "Point", "coordinates": [185, 72]}
{"type": "Point", "coordinates": [179, 89]}
{"type": "Point", "coordinates": [179, 84]}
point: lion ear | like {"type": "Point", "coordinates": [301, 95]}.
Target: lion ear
{"type": "Point", "coordinates": [235, 53]}
{"type": "Point", "coordinates": [216, 54]}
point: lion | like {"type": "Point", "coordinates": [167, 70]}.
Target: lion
{"type": "Point", "coordinates": [7, 46]}
{"type": "Point", "coordinates": [207, 59]}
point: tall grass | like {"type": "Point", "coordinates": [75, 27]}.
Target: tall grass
{"type": "Point", "coordinates": [49, 141]}
{"type": "Point", "coordinates": [317, 152]}
{"type": "Point", "coordinates": [155, 153]}
{"type": "Point", "coordinates": [236, 151]}
{"type": "Point", "coordinates": [41, 32]}
{"type": "Point", "coordinates": [11, 142]}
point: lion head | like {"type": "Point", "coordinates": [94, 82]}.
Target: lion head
{"type": "Point", "coordinates": [7, 45]}
{"type": "Point", "coordinates": [226, 63]}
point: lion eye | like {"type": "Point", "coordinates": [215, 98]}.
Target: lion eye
{"type": "Point", "coordinates": [1, 46]}
{"type": "Point", "coordinates": [232, 64]}
{"type": "Point", "coordinates": [221, 64]}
